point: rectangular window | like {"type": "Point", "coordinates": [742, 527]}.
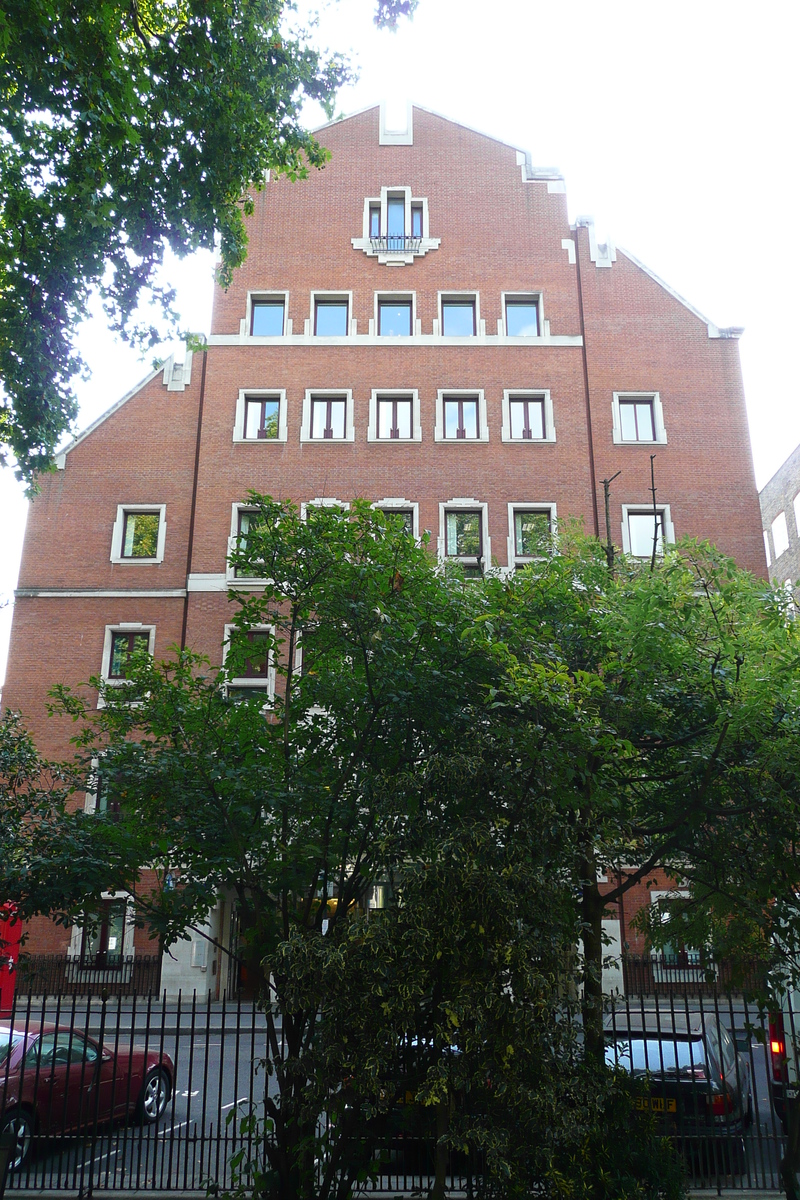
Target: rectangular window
{"type": "Point", "coordinates": [522, 317]}
{"type": "Point", "coordinates": [261, 414]}
{"type": "Point", "coordinates": [527, 417]}
{"type": "Point", "coordinates": [374, 220]}
{"type": "Point", "coordinates": [458, 318]}
{"type": "Point", "coordinates": [103, 939]}
{"type": "Point", "coordinates": [394, 417]}
{"type": "Point", "coordinates": [123, 645]}
{"type": "Point", "coordinates": [463, 534]}
{"type": "Point", "coordinates": [328, 417]}
{"type": "Point", "coordinates": [416, 220]}
{"type": "Point", "coordinates": [531, 532]}
{"type": "Point", "coordinates": [404, 514]}
{"type": "Point", "coordinates": [394, 318]}
{"type": "Point", "coordinates": [636, 419]}
{"type": "Point", "coordinates": [267, 318]}
{"type": "Point", "coordinates": [395, 223]}
{"type": "Point", "coordinates": [140, 534]}
{"type": "Point", "coordinates": [643, 529]}
{"type": "Point", "coordinates": [780, 535]}
{"type": "Point", "coordinates": [330, 318]}
{"type": "Point", "coordinates": [461, 417]}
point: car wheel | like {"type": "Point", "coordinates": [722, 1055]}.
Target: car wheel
{"type": "Point", "coordinates": [19, 1123]}
{"type": "Point", "coordinates": [154, 1096]}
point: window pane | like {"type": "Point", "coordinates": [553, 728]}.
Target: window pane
{"type": "Point", "coordinates": [404, 418]}
{"type": "Point", "coordinates": [337, 418]}
{"type": "Point", "coordinates": [627, 420]}
{"type": "Point", "coordinates": [385, 418]}
{"type": "Point", "coordinates": [780, 534]}
{"type": "Point", "coordinates": [331, 319]}
{"type": "Point", "coordinates": [644, 420]}
{"type": "Point", "coordinates": [394, 320]}
{"type": "Point", "coordinates": [536, 418]}
{"type": "Point", "coordinates": [141, 535]}
{"type": "Point", "coordinates": [374, 221]}
{"type": "Point", "coordinates": [267, 318]}
{"type": "Point", "coordinates": [319, 418]}
{"type": "Point", "coordinates": [458, 320]}
{"type": "Point", "coordinates": [257, 661]}
{"type": "Point", "coordinates": [641, 527]}
{"type": "Point", "coordinates": [416, 221]}
{"type": "Point", "coordinates": [396, 218]}
{"type": "Point", "coordinates": [522, 319]}
{"type": "Point", "coordinates": [252, 418]}
{"type": "Point", "coordinates": [470, 410]}
{"type": "Point", "coordinates": [401, 514]}
{"type": "Point", "coordinates": [270, 428]}
{"type": "Point", "coordinates": [451, 418]}
{"type": "Point", "coordinates": [531, 531]}
{"type": "Point", "coordinates": [464, 534]}
{"type": "Point", "coordinates": [516, 410]}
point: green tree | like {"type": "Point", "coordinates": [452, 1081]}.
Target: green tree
{"type": "Point", "coordinates": [126, 127]}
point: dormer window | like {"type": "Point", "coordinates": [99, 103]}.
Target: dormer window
{"type": "Point", "coordinates": [395, 227]}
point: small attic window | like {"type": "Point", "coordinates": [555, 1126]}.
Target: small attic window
{"type": "Point", "coordinates": [397, 123]}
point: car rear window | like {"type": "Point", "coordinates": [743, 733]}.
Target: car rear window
{"type": "Point", "coordinates": [8, 1040]}
{"type": "Point", "coordinates": [656, 1055]}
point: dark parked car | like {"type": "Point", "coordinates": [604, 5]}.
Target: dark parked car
{"type": "Point", "coordinates": [55, 1080]}
{"type": "Point", "coordinates": [699, 1084]}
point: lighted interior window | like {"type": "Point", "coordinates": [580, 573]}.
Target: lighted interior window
{"type": "Point", "coordinates": [458, 318]}
{"type": "Point", "coordinates": [261, 417]}
{"type": "Point", "coordinates": [531, 531]}
{"type": "Point", "coordinates": [463, 534]}
{"type": "Point", "coordinates": [330, 318]}
{"type": "Point", "coordinates": [394, 417]}
{"type": "Point", "coordinates": [527, 418]}
{"type": "Point", "coordinates": [327, 417]}
{"type": "Point", "coordinates": [522, 318]}
{"type": "Point", "coordinates": [394, 318]}
{"type": "Point", "coordinates": [140, 535]}
{"type": "Point", "coordinates": [267, 318]}
{"type": "Point", "coordinates": [636, 419]}
{"type": "Point", "coordinates": [461, 417]}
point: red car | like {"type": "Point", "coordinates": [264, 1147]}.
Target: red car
{"type": "Point", "coordinates": [56, 1080]}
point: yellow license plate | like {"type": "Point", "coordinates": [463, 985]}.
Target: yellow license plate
{"type": "Point", "coordinates": [656, 1104]}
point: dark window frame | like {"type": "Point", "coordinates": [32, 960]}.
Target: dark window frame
{"type": "Point", "coordinates": [524, 510]}
{"type": "Point", "coordinates": [104, 959]}
{"type": "Point", "coordinates": [461, 429]}
{"type": "Point", "coordinates": [327, 434]}
{"type": "Point", "coordinates": [455, 302]}
{"type": "Point", "coordinates": [534, 302]}
{"type": "Point", "coordinates": [127, 513]}
{"type": "Point", "coordinates": [469, 559]}
{"type": "Point", "coordinates": [262, 401]}
{"type": "Point", "coordinates": [332, 302]}
{"type": "Point", "coordinates": [397, 303]}
{"type": "Point", "coordinates": [527, 428]}
{"type": "Point", "coordinates": [267, 302]}
{"type": "Point", "coordinates": [634, 403]}
{"type": "Point", "coordinates": [118, 635]}
{"type": "Point", "coordinates": [394, 428]}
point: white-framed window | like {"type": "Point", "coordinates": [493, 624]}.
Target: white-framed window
{"type": "Point", "coordinates": [261, 415]}
{"type": "Point", "coordinates": [676, 962]}
{"type": "Point", "coordinates": [255, 670]}
{"type": "Point", "coordinates": [459, 314]}
{"type": "Point", "coordinates": [395, 227]}
{"type": "Point", "coordinates": [464, 534]}
{"type": "Point", "coordinates": [780, 535]}
{"type": "Point", "coordinates": [395, 314]}
{"type": "Point", "coordinates": [394, 416]}
{"type": "Point", "coordinates": [461, 416]}
{"type": "Point", "coordinates": [796, 506]}
{"type": "Point", "coordinates": [119, 643]}
{"type": "Point", "coordinates": [531, 525]}
{"type": "Point", "coordinates": [528, 416]}
{"type": "Point", "coordinates": [522, 314]}
{"type": "Point", "coordinates": [331, 314]}
{"type": "Point", "coordinates": [105, 943]}
{"type": "Point", "coordinates": [328, 416]}
{"type": "Point", "coordinates": [400, 507]}
{"type": "Point", "coordinates": [241, 516]}
{"type": "Point", "coordinates": [766, 549]}
{"type": "Point", "coordinates": [267, 314]}
{"type": "Point", "coordinates": [640, 525]}
{"type": "Point", "coordinates": [323, 502]}
{"type": "Point", "coordinates": [638, 417]}
{"type": "Point", "coordinates": [139, 534]}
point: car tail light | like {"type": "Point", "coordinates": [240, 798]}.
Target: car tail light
{"type": "Point", "coordinates": [722, 1103]}
{"type": "Point", "coordinates": [777, 1046]}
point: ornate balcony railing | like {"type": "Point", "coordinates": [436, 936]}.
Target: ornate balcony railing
{"type": "Point", "coordinates": [393, 243]}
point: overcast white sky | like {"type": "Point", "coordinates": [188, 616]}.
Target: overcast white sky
{"type": "Point", "coordinates": [675, 125]}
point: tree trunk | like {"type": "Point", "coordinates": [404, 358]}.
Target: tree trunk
{"type": "Point", "coordinates": [442, 1152]}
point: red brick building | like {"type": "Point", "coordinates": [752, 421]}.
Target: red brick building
{"type": "Point", "coordinates": [418, 324]}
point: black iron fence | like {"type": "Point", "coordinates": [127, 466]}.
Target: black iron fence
{"type": "Point", "coordinates": [132, 1094]}
{"type": "Point", "coordinates": [72, 975]}
{"type": "Point", "coordinates": [692, 972]}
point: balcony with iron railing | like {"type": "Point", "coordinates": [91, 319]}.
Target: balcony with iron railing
{"type": "Point", "coordinates": [395, 243]}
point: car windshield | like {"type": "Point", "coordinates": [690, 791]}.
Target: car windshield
{"type": "Point", "coordinates": [655, 1055]}
{"type": "Point", "coordinates": [8, 1040]}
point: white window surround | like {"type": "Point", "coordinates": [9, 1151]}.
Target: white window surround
{"type": "Point", "coordinates": [329, 296]}
{"type": "Point", "coordinates": [460, 297]}
{"type": "Point", "coordinates": [260, 394]}
{"type": "Point", "coordinates": [400, 504]}
{"type": "Point", "coordinates": [766, 549]}
{"type": "Point", "coordinates": [532, 297]}
{"type": "Point", "coordinates": [395, 258]}
{"type": "Point", "coordinates": [76, 937]}
{"type": "Point", "coordinates": [469, 503]}
{"type": "Point", "coordinates": [668, 529]}
{"type": "Point", "coordinates": [122, 627]}
{"type": "Point", "coordinates": [394, 131]}
{"type": "Point", "coordinates": [118, 531]}
{"type": "Point", "coordinates": [780, 535]}
{"type": "Point", "coordinates": [328, 394]}
{"type": "Point", "coordinates": [660, 438]}
{"type": "Point", "coordinates": [411, 394]}
{"type": "Point", "coordinates": [394, 298]}
{"type": "Point", "coordinates": [247, 321]}
{"type": "Point", "coordinates": [526, 506]}
{"type": "Point", "coordinates": [459, 393]}
{"type": "Point", "coordinates": [510, 394]}
{"type": "Point", "coordinates": [261, 685]}
{"type": "Point", "coordinates": [241, 583]}
{"type": "Point", "coordinates": [323, 502]}
{"type": "Point", "coordinates": [692, 969]}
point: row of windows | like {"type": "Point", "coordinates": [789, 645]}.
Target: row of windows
{"type": "Point", "coordinates": [463, 536]}
{"type": "Point", "coordinates": [461, 415]}
{"type": "Point", "coordinates": [395, 314]}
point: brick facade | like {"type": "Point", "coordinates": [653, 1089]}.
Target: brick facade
{"type": "Point", "coordinates": [606, 326]}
